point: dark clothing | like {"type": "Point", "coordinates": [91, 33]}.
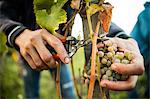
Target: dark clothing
{"type": "Point", "coordinates": [141, 33]}
{"type": "Point", "coordinates": [15, 13]}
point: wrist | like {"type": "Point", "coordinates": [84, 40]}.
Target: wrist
{"type": "Point", "coordinates": [14, 33]}
{"type": "Point", "coordinates": [18, 38]}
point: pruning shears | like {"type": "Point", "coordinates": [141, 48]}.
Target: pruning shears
{"type": "Point", "coordinates": [79, 44]}
{"type": "Point", "coordinates": [72, 45]}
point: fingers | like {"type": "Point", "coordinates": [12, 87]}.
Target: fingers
{"type": "Point", "coordinates": [28, 59]}
{"type": "Point", "coordinates": [120, 85]}
{"type": "Point", "coordinates": [57, 45]}
{"type": "Point", "coordinates": [130, 69]}
{"type": "Point", "coordinates": [43, 52]}
{"type": "Point", "coordinates": [136, 66]}
{"type": "Point", "coordinates": [100, 45]}
{"type": "Point", "coordinates": [36, 58]}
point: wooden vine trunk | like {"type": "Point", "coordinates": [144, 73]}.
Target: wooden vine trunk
{"type": "Point", "coordinates": [96, 92]}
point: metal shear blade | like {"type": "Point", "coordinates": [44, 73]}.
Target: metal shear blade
{"type": "Point", "coordinates": [80, 44]}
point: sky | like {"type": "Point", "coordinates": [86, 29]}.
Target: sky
{"type": "Point", "coordinates": [125, 13]}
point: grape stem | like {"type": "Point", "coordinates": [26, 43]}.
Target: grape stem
{"type": "Point", "coordinates": [81, 86]}
{"type": "Point", "coordinates": [74, 80]}
{"type": "Point", "coordinates": [98, 71]}
{"type": "Point", "coordinates": [93, 62]}
{"type": "Point", "coordinates": [58, 81]}
{"type": "Point", "coordinates": [89, 21]}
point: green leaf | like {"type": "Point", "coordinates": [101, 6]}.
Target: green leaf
{"type": "Point", "coordinates": [49, 14]}
{"type": "Point", "coordinates": [93, 8]}
{"type": "Point", "coordinates": [87, 1]}
{"type": "Point", "coordinates": [43, 4]}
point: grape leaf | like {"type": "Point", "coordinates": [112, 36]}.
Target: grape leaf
{"type": "Point", "coordinates": [105, 17]}
{"type": "Point", "coordinates": [94, 8]}
{"type": "Point", "coordinates": [87, 1]}
{"type": "Point", "coordinates": [49, 14]}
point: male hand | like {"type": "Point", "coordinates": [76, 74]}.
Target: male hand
{"type": "Point", "coordinates": [33, 49]}
{"type": "Point", "coordinates": [135, 68]}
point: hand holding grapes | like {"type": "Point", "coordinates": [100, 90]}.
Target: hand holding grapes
{"type": "Point", "coordinates": [131, 65]}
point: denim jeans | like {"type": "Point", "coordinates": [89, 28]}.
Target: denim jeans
{"type": "Point", "coordinates": [31, 82]}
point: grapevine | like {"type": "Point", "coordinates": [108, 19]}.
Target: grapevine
{"type": "Point", "coordinates": [51, 15]}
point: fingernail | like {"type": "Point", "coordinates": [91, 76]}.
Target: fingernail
{"type": "Point", "coordinates": [67, 60]}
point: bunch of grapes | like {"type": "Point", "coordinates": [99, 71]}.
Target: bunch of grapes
{"type": "Point", "coordinates": [108, 54]}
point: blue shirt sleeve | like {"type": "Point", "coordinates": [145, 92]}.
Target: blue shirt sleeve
{"type": "Point", "coordinates": [141, 32]}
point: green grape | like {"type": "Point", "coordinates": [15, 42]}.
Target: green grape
{"type": "Point", "coordinates": [115, 48]}
{"type": "Point", "coordinates": [108, 63]}
{"type": "Point", "coordinates": [109, 55]}
{"type": "Point", "coordinates": [120, 55]}
{"type": "Point", "coordinates": [125, 61]}
{"type": "Point", "coordinates": [102, 71]}
{"type": "Point", "coordinates": [101, 53]}
{"type": "Point", "coordinates": [105, 77]}
{"type": "Point", "coordinates": [108, 72]}
{"type": "Point", "coordinates": [110, 48]}
{"type": "Point", "coordinates": [110, 78]}
{"type": "Point", "coordinates": [105, 56]}
{"type": "Point", "coordinates": [116, 60]}
{"type": "Point", "coordinates": [102, 65]}
{"type": "Point", "coordinates": [115, 56]}
{"type": "Point", "coordinates": [108, 43]}
{"type": "Point", "coordinates": [104, 61]}
{"type": "Point", "coordinates": [130, 56]}
{"type": "Point", "coordinates": [113, 52]}
{"type": "Point", "coordinates": [105, 68]}
{"type": "Point", "coordinates": [126, 54]}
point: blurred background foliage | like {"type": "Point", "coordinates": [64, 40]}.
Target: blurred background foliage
{"type": "Point", "coordinates": [11, 83]}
